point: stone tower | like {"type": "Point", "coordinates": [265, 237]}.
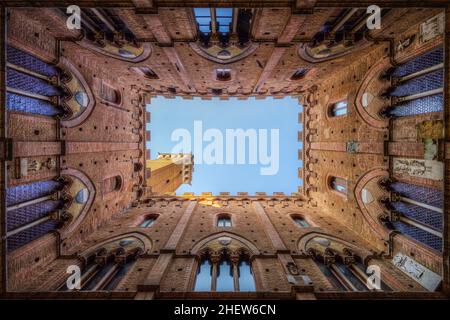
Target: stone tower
{"type": "Point", "coordinates": [169, 171]}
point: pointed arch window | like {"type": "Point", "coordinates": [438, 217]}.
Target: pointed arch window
{"type": "Point", "coordinates": [106, 267]}
{"type": "Point", "coordinates": [148, 221]}
{"type": "Point", "coordinates": [225, 272]}
{"type": "Point", "coordinates": [109, 94]}
{"type": "Point", "coordinates": [246, 279]}
{"type": "Point", "coordinates": [338, 109]}
{"type": "Point", "coordinates": [346, 273]}
{"type": "Point", "coordinates": [32, 211]}
{"type": "Point", "coordinates": [32, 84]}
{"type": "Point", "coordinates": [112, 184]}
{"type": "Point", "coordinates": [146, 72]}
{"type": "Point", "coordinates": [344, 268]}
{"type": "Point", "coordinates": [339, 185]}
{"type": "Point", "coordinates": [225, 280]}
{"type": "Point", "coordinates": [300, 221]}
{"type": "Point", "coordinates": [204, 275]}
{"type": "Point", "coordinates": [299, 74]}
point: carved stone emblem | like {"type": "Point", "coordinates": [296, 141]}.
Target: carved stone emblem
{"type": "Point", "coordinates": [352, 146]}
{"type": "Point", "coordinates": [225, 241]}
{"type": "Point", "coordinates": [293, 269]}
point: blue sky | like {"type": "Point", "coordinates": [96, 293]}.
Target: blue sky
{"type": "Point", "coordinates": [269, 115]}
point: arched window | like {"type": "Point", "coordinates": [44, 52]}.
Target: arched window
{"type": "Point", "coordinates": [106, 267]}
{"type": "Point", "coordinates": [417, 212]}
{"type": "Point", "coordinates": [338, 109]}
{"type": "Point", "coordinates": [300, 221]}
{"type": "Point", "coordinates": [224, 221]}
{"type": "Point", "coordinates": [148, 221]}
{"type": "Point", "coordinates": [223, 74]}
{"type": "Point", "coordinates": [146, 72]}
{"type": "Point", "coordinates": [204, 275]}
{"type": "Point", "coordinates": [345, 270]}
{"type": "Point", "coordinates": [245, 273]}
{"type": "Point", "coordinates": [299, 74]}
{"type": "Point", "coordinates": [338, 185]}
{"type": "Point", "coordinates": [32, 212]}
{"type": "Point", "coordinates": [408, 98]}
{"type": "Point", "coordinates": [224, 273]}
{"type": "Point", "coordinates": [112, 184]}
{"type": "Point", "coordinates": [109, 94]}
{"type": "Point", "coordinates": [225, 280]}
{"type": "Point", "coordinates": [31, 84]}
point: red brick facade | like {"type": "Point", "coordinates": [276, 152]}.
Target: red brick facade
{"type": "Point", "coordinates": [103, 149]}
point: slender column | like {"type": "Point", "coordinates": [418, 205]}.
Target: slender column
{"type": "Point", "coordinates": [235, 18]}
{"type": "Point", "coordinates": [361, 275]}
{"type": "Point", "coordinates": [53, 196]}
{"type": "Point", "coordinates": [54, 215]}
{"type": "Point", "coordinates": [107, 277]}
{"type": "Point", "coordinates": [89, 274]}
{"type": "Point", "coordinates": [419, 73]}
{"type": "Point", "coordinates": [215, 260]}
{"type": "Point", "coordinates": [342, 278]}
{"type": "Point", "coordinates": [51, 80]}
{"type": "Point", "coordinates": [91, 25]}
{"type": "Point", "coordinates": [420, 204]}
{"type": "Point", "coordinates": [213, 21]}
{"type": "Point", "coordinates": [343, 20]}
{"type": "Point", "coordinates": [397, 100]}
{"type": "Point", "coordinates": [51, 99]}
{"type": "Point", "coordinates": [362, 22]}
{"type": "Point", "coordinates": [29, 225]}
{"type": "Point", "coordinates": [235, 265]}
{"type": "Point", "coordinates": [104, 19]}
{"type": "Point", "coordinates": [420, 226]}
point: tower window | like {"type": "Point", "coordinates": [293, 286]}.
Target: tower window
{"type": "Point", "coordinates": [146, 72]}
{"type": "Point", "coordinates": [148, 221]}
{"type": "Point", "coordinates": [223, 74]}
{"type": "Point", "coordinates": [112, 184]}
{"type": "Point", "coordinates": [299, 74]}
{"type": "Point", "coordinates": [172, 90]}
{"type": "Point", "coordinates": [109, 94]}
{"type": "Point", "coordinates": [339, 185]}
{"type": "Point", "coordinates": [224, 222]}
{"type": "Point", "coordinates": [338, 109]}
{"type": "Point", "coordinates": [300, 221]}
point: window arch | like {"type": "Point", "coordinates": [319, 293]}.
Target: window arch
{"type": "Point", "coordinates": [299, 74]}
{"type": "Point", "coordinates": [146, 72]}
{"type": "Point", "coordinates": [31, 85]}
{"type": "Point", "coordinates": [148, 221]}
{"type": "Point", "coordinates": [109, 94]}
{"type": "Point", "coordinates": [338, 109]}
{"type": "Point", "coordinates": [343, 264]}
{"type": "Point", "coordinates": [112, 184]}
{"type": "Point", "coordinates": [32, 211]}
{"type": "Point", "coordinates": [223, 74]}
{"type": "Point", "coordinates": [415, 211]}
{"type": "Point", "coordinates": [338, 185]}
{"type": "Point", "coordinates": [107, 265]}
{"type": "Point", "coordinates": [224, 221]}
{"type": "Point", "coordinates": [300, 221]}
